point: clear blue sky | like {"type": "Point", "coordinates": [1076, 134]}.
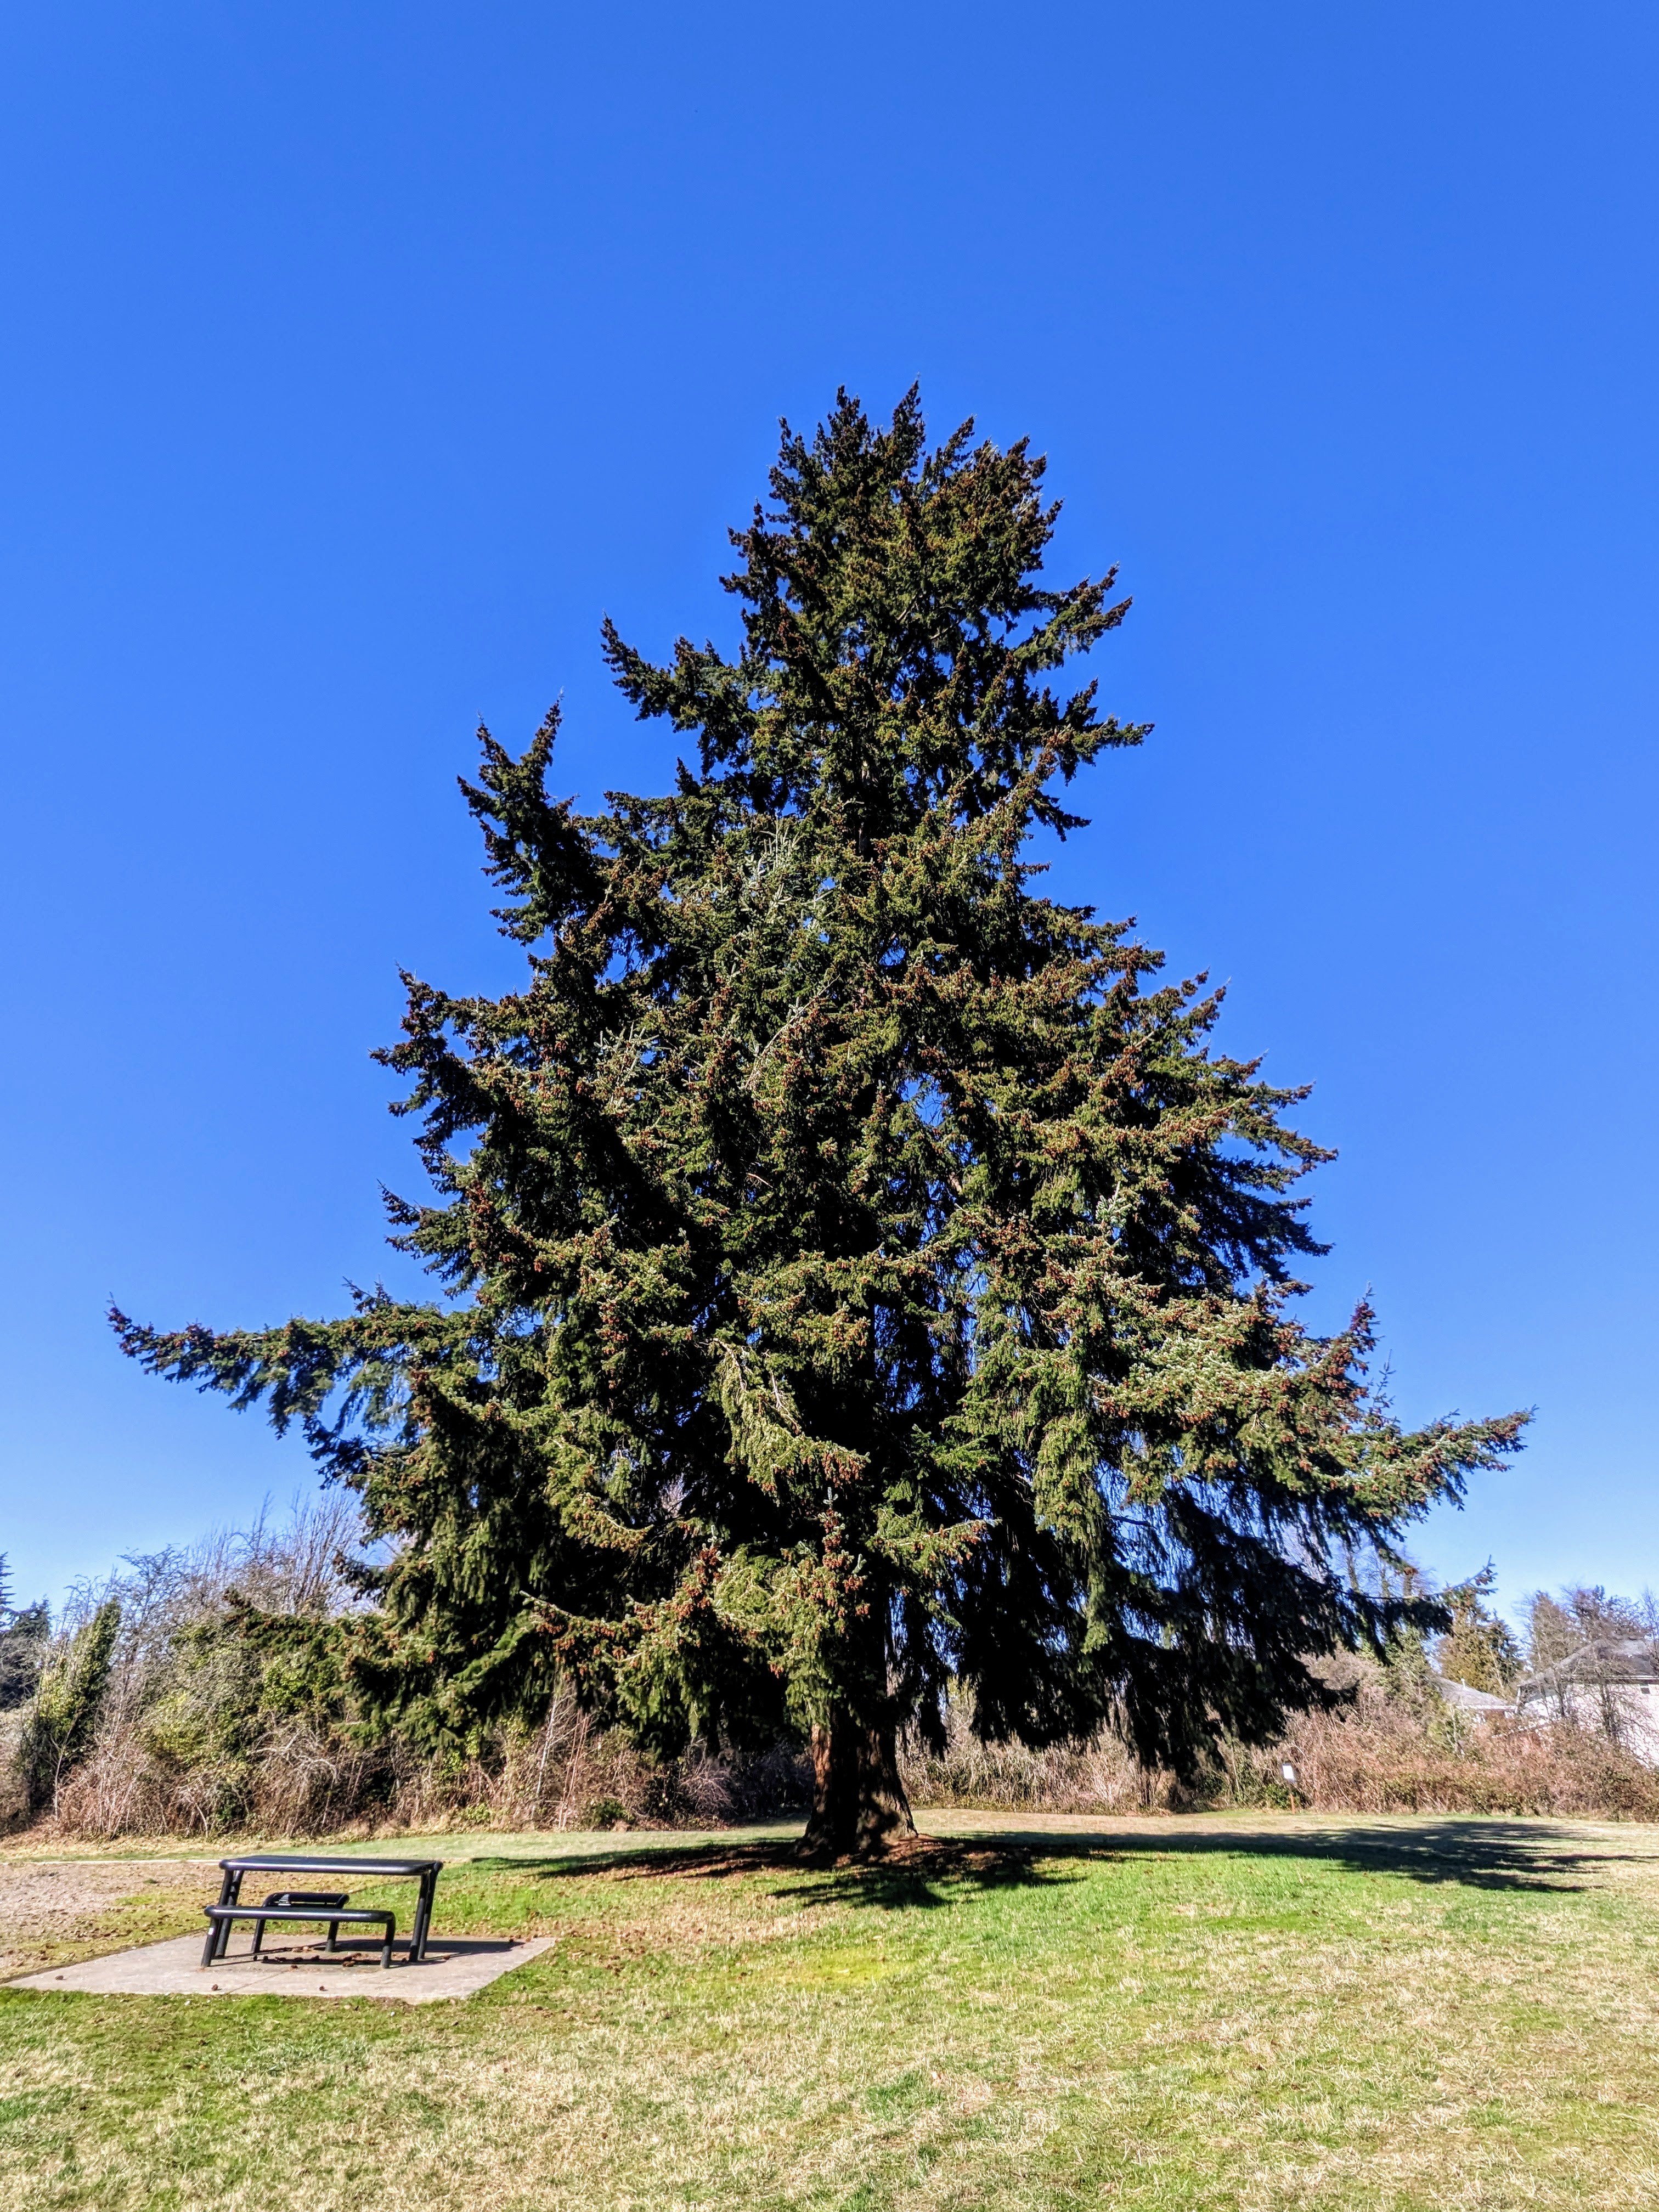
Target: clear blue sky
{"type": "Point", "coordinates": [358, 357]}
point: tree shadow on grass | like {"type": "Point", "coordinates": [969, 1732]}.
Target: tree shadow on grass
{"type": "Point", "coordinates": [1474, 1853]}
{"type": "Point", "coordinates": [922, 1871]}
{"type": "Point", "coordinates": [926, 1871]}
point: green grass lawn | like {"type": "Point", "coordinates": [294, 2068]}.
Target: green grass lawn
{"type": "Point", "coordinates": [1254, 2013]}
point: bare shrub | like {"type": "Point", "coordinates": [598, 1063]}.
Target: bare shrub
{"type": "Point", "coordinates": [569, 1772]}
{"type": "Point", "coordinates": [1396, 1748]}
{"type": "Point", "coordinates": [1098, 1776]}
{"type": "Point", "coordinates": [202, 1731]}
{"type": "Point", "coordinates": [180, 1746]}
{"type": "Point", "coordinates": [1392, 1746]}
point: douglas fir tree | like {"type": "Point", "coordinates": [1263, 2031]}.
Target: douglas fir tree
{"type": "Point", "coordinates": [858, 1283]}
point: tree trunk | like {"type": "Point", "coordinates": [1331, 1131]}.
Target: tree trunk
{"type": "Point", "coordinates": [859, 1803]}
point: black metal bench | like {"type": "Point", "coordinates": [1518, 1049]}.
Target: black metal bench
{"type": "Point", "coordinates": [230, 1907]}
{"type": "Point", "coordinates": [302, 1904]}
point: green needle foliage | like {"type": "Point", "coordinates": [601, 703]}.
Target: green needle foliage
{"type": "Point", "coordinates": [1480, 1648]}
{"type": "Point", "coordinates": [59, 1730]}
{"type": "Point", "coordinates": [860, 1278]}
{"type": "Point", "coordinates": [25, 1632]}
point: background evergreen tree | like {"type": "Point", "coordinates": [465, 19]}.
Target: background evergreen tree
{"type": "Point", "coordinates": [1480, 1648]}
{"type": "Point", "coordinates": [859, 1275]}
{"type": "Point", "coordinates": [74, 1684]}
{"type": "Point", "coordinates": [25, 1632]}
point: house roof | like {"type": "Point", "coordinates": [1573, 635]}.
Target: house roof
{"type": "Point", "coordinates": [1604, 1659]}
{"type": "Point", "coordinates": [1468, 1700]}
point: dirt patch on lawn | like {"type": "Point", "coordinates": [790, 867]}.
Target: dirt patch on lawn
{"type": "Point", "coordinates": [56, 1909]}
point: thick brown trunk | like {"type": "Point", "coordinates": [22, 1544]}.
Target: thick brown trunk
{"type": "Point", "coordinates": [859, 1803]}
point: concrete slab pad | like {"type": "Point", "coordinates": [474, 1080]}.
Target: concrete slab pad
{"type": "Point", "coordinates": [454, 1966]}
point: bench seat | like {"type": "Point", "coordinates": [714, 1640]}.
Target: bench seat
{"type": "Point", "coordinates": [220, 1916]}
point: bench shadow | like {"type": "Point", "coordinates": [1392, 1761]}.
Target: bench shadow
{"type": "Point", "coordinates": [1515, 1855]}
{"type": "Point", "coordinates": [440, 1949]}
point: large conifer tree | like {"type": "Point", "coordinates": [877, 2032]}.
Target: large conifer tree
{"type": "Point", "coordinates": [859, 1277]}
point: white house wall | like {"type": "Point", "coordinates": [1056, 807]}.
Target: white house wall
{"type": "Point", "coordinates": [1633, 1706]}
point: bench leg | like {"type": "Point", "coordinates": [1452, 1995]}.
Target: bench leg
{"type": "Point", "coordinates": [211, 1948]}
{"type": "Point", "coordinates": [385, 1947]}
{"type": "Point", "coordinates": [333, 1933]}
{"type": "Point", "coordinates": [229, 1893]}
{"type": "Point", "coordinates": [258, 1935]}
